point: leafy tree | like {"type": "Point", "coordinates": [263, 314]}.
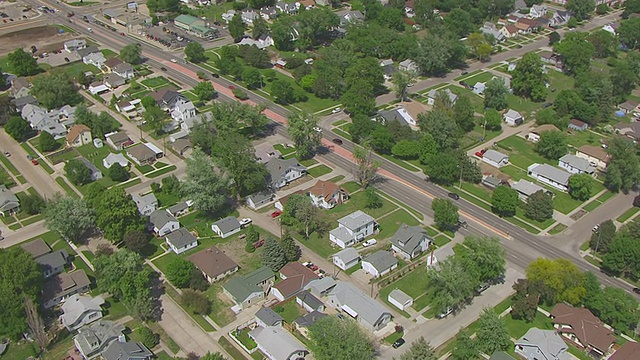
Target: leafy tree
{"type": "Point", "coordinates": [365, 72]}
{"type": "Point", "coordinates": [581, 9]}
{"type": "Point", "coordinates": [32, 204]}
{"type": "Point", "coordinates": [77, 172]}
{"type": "Point", "coordinates": [604, 43]}
{"type": "Point", "coordinates": [492, 120]}
{"type": "Point", "coordinates": [46, 142]}
{"type": "Point", "coordinates": [437, 53]}
{"type": "Point", "coordinates": [196, 301]}
{"type": "Point", "coordinates": [465, 348]}
{"type": "Point", "coordinates": [480, 46]}
{"type": "Point", "coordinates": [367, 171]}
{"type": "Point", "coordinates": [117, 214]}
{"type": "Point", "coordinates": [252, 237]}
{"type": "Point", "coordinates": [204, 90]}
{"type": "Point", "coordinates": [575, 51]}
{"type": "Point", "coordinates": [55, 90]}
{"type": "Point", "coordinates": [210, 356]}
{"type": "Point", "coordinates": [252, 77]}
{"type": "Point", "coordinates": [420, 349]}
{"type": "Point", "coordinates": [451, 283]}
{"type": "Point", "coordinates": [136, 241]}
{"type": "Point", "coordinates": [179, 272]}
{"type": "Point", "coordinates": [94, 193]}
{"type": "Point", "coordinates": [484, 260]}
{"type": "Point", "coordinates": [333, 338]}
{"type": "Point", "coordinates": [554, 38]}
{"type": "Point", "coordinates": [195, 52]}
{"type": "Point", "coordinates": [149, 338]}
{"type": "Point", "coordinates": [552, 144]}
{"type": "Point", "coordinates": [359, 99]}
{"type": "Point", "coordinates": [602, 239]}
{"type": "Point", "coordinates": [163, 5]}
{"type": "Point", "coordinates": [284, 92]}
{"type": "Point", "coordinates": [260, 27]}
{"type": "Point", "coordinates": [254, 57]}
{"type": "Point", "coordinates": [372, 199]}
{"type": "Point", "coordinates": [198, 281]}
{"type": "Point", "coordinates": [630, 7]}
{"type": "Point", "coordinates": [237, 27]}
{"type": "Point", "coordinates": [504, 201]}
{"type": "Point", "coordinates": [118, 173]}
{"type": "Point", "coordinates": [381, 140]}
{"type": "Point", "coordinates": [623, 171]}
{"type": "Point", "coordinates": [18, 128]}
{"type": "Point", "coordinates": [282, 34]}
{"type": "Point", "coordinates": [21, 278]}
{"type": "Point", "coordinates": [629, 32]}
{"type": "Point", "coordinates": [401, 81]}
{"type": "Point", "coordinates": [22, 63]}
{"type": "Point", "coordinates": [273, 255]}
{"type": "Point", "coordinates": [602, 9]}
{"type": "Point", "coordinates": [171, 185]}
{"type": "Point", "coordinates": [203, 184]}
{"type": "Point", "coordinates": [36, 324]}
{"type": "Point", "coordinates": [442, 128]}
{"type": "Point", "coordinates": [445, 213]}
{"type": "Point", "coordinates": [495, 94]}
{"type": "Point", "coordinates": [539, 206]}
{"type": "Point", "coordinates": [464, 114]}
{"type": "Point", "coordinates": [132, 54]}
{"type": "Point", "coordinates": [302, 129]}
{"type": "Point", "coordinates": [595, 88]}
{"type": "Point", "coordinates": [561, 278]}
{"type": "Point", "coordinates": [528, 78]}
{"type": "Point", "coordinates": [292, 251]}
{"type": "Point", "coordinates": [442, 168]}
{"type": "Point", "coordinates": [104, 249]}
{"type": "Point", "coordinates": [492, 334]}
{"type": "Point", "coordinates": [407, 149]}
{"type": "Point", "coordinates": [526, 300]}
{"type": "Point", "coordinates": [622, 257]}
{"type": "Point", "coordinates": [625, 75]}
{"type": "Point", "coordinates": [580, 186]}
{"type": "Point", "coordinates": [618, 309]}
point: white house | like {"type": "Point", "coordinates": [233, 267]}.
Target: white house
{"type": "Point", "coordinates": [479, 87]}
{"type": "Point", "coordinates": [534, 135]}
{"type": "Point", "coordinates": [226, 227]}
{"type": "Point", "coordinates": [346, 258]}
{"type": "Point", "coordinates": [163, 223]}
{"type": "Point", "coordinates": [249, 16]}
{"type": "Point", "coordinates": [79, 135]}
{"type": "Point", "coordinates": [326, 194]}
{"type": "Point", "coordinates": [278, 344]}
{"type": "Point", "coordinates": [596, 156]}
{"type": "Point", "coordinates": [433, 94]}
{"type": "Point", "coordinates": [379, 263]}
{"type": "Point", "coordinates": [409, 66]}
{"type": "Point", "coordinates": [550, 175]}
{"type": "Point", "coordinates": [262, 42]}
{"type": "Point", "coordinates": [526, 188]}
{"type": "Point", "coordinates": [513, 118]}
{"type": "Point", "coordinates": [146, 204]}
{"type": "Point", "coordinates": [537, 11]}
{"type": "Point", "coordinates": [410, 241]}
{"type": "Point", "coordinates": [115, 158]}
{"type": "Point", "coordinates": [74, 45]}
{"type": "Point", "coordinates": [124, 70]}
{"type": "Point", "coordinates": [181, 240]}
{"type": "Point", "coordinates": [399, 299]}
{"type": "Point", "coordinates": [96, 59]}
{"type": "Point", "coordinates": [283, 172]}
{"type": "Point", "coordinates": [352, 229]}
{"type": "Point", "coordinates": [360, 306]}
{"type": "Point", "coordinates": [576, 165]}
{"type": "Point", "coordinates": [79, 310]}
{"type": "Point", "coordinates": [495, 158]}
{"type": "Point", "coordinates": [182, 110]}
{"type": "Point", "coordinates": [97, 87]}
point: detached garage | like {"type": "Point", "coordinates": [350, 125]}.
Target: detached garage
{"type": "Point", "coordinates": [399, 299]}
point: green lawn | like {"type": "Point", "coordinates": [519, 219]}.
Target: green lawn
{"type": "Point", "coordinates": [230, 349]}
{"type": "Point", "coordinates": [243, 337]}
{"type": "Point", "coordinates": [155, 82]}
{"type": "Point", "coordinates": [321, 245]}
{"type": "Point", "coordinates": [162, 171]}
{"type": "Point", "coordinates": [391, 223]}
{"type": "Point", "coordinates": [628, 214]}
{"type": "Point", "coordinates": [351, 186]}
{"type": "Point", "coordinates": [592, 205]}
{"type": "Point", "coordinates": [479, 77]}
{"type": "Point", "coordinates": [336, 179]}
{"type": "Point", "coordinates": [284, 150]}
{"type": "Point", "coordinates": [319, 170]}
{"type": "Point", "coordinates": [7, 164]}
{"type": "Point", "coordinates": [357, 202]}
{"type": "Point", "coordinates": [477, 101]}
{"type": "Point", "coordinates": [579, 138]}
{"type": "Point", "coordinates": [413, 284]}
{"type": "Point", "coordinates": [517, 328]}
{"type": "Point", "coordinates": [289, 311]}
{"type": "Point", "coordinates": [220, 306]}
{"type": "Point", "coordinates": [393, 337]}
{"type": "Point", "coordinates": [557, 229]}
{"type": "Point", "coordinates": [441, 240]}
{"type": "Point", "coordinates": [65, 185]}
{"type": "Point", "coordinates": [521, 152]}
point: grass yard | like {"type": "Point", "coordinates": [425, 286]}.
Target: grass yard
{"type": "Point", "coordinates": [160, 172]}
{"type": "Point", "coordinates": [321, 245]}
{"type": "Point", "coordinates": [357, 202]}
{"type": "Point", "coordinates": [337, 179]}
{"type": "Point", "coordinates": [220, 306]}
{"type": "Point", "coordinates": [392, 222]}
{"type": "Point", "coordinates": [289, 311]}
{"type": "Point", "coordinates": [482, 76]}
{"type": "Point", "coordinates": [628, 214]}
{"type": "Point", "coordinates": [441, 240]}
{"type": "Point", "coordinates": [413, 284]}
{"type": "Point", "coordinates": [65, 185]}
{"type": "Point", "coordinates": [521, 152]}
{"type": "Point", "coordinates": [517, 328]}
{"type": "Point", "coordinates": [8, 165]}
{"type": "Point", "coordinates": [155, 82]}
{"type": "Point", "coordinates": [557, 229]}
{"type": "Point", "coordinates": [592, 205]}
{"type": "Point", "coordinates": [243, 337]}
{"type": "Point", "coordinates": [319, 170]}
{"type": "Point", "coordinates": [351, 186]}
{"type": "Point", "coordinates": [477, 101]}
{"type": "Point", "coordinates": [475, 137]}
{"type": "Point", "coordinates": [559, 81]}
{"type": "Point", "coordinates": [230, 349]}
{"type": "Point", "coordinates": [393, 337]}
{"type": "Point", "coordinates": [579, 138]}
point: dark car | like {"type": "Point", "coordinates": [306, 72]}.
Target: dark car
{"type": "Point", "coordinates": [464, 73]}
{"type": "Point", "coordinates": [518, 46]}
{"type": "Point", "coordinates": [454, 196]}
{"type": "Point", "coordinates": [398, 343]}
{"type": "Point", "coordinates": [546, 105]}
{"type": "Point", "coordinates": [337, 141]}
{"type": "Point", "coordinates": [66, 59]}
{"type": "Point", "coordinates": [636, 290]}
{"type": "Point", "coordinates": [163, 68]}
{"type": "Point", "coordinates": [215, 75]}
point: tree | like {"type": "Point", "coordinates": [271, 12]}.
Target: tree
{"type": "Point", "coordinates": [552, 144]}
{"type": "Point", "coordinates": [68, 216]}
{"type": "Point", "coordinates": [260, 27]}
{"type": "Point", "coordinates": [179, 272]}
{"type": "Point", "coordinates": [35, 323]}
{"type": "Point", "coordinates": [117, 214]}
{"type": "Point", "coordinates": [333, 338]}
{"type": "Point", "coordinates": [442, 168]}
{"type": "Point", "coordinates": [18, 128]}
{"type": "Point", "coordinates": [367, 170]}
{"type": "Point", "coordinates": [359, 99]}
{"type": "Point", "coordinates": [602, 239]}
{"type": "Point", "coordinates": [204, 90]}
{"type": "Point", "coordinates": [273, 255]}
{"type": "Point", "coordinates": [526, 300]}
{"type": "Point", "coordinates": [442, 128]}
{"type": "Point", "coordinates": [282, 34]}
{"type": "Point", "coordinates": [452, 284]}
{"type": "Point", "coordinates": [196, 301]}
{"type": "Point", "coordinates": [136, 241]}
{"type": "Point", "coordinates": [171, 185]}
{"type": "Point", "coordinates": [581, 9]}
{"type": "Point", "coordinates": [539, 206]}
{"type": "Point", "coordinates": [195, 52]}
{"type": "Point", "coordinates": [401, 81]}
{"type": "Point", "coordinates": [465, 348]}
{"type": "Point", "coordinates": [492, 120]}
{"type": "Point", "coordinates": [420, 349]}
{"type": "Point", "coordinates": [210, 356]}
{"type": "Point", "coordinates": [203, 185]}
{"type": "Point", "coordinates": [252, 77]}
{"type": "Point", "coordinates": [292, 251]}
{"type": "Point", "coordinates": [55, 90]}
{"type": "Point", "coordinates": [46, 142]}
{"type": "Point", "coordinates": [163, 5]}
{"type": "Point", "coordinates": [438, 53]}
{"type": "Point", "coordinates": [464, 114]}
{"type": "Point", "coordinates": [561, 279]}
{"type": "Point", "coordinates": [284, 92]}
{"type": "Point", "coordinates": [132, 54]}
{"type": "Point", "coordinates": [495, 94]}
{"type": "Point", "coordinates": [492, 334]}
{"type": "Point", "coordinates": [629, 32]}
{"type": "Point", "coordinates": [575, 51]}
{"type": "Point", "coordinates": [528, 79]}
{"type": "Point", "coordinates": [478, 43]}
{"type": "Point", "coordinates": [77, 172]}
{"type": "Point", "coordinates": [445, 213]}
{"type": "Point", "coordinates": [604, 43]}
{"type": "Point", "coordinates": [407, 149]}
{"type": "Point", "coordinates": [198, 281]}
{"type": "Point", "coordinates": [580, 186]}
{"type": "Point", "coordinates": [485, 259]}
{"type": "Point", "coordinates": [252, 237]}
{"type": "Point", "coordinates": [22, 63]}
{"type": "Point", "coordinates": [118, 173]}
{"type": "Point", "coordinates": [32, 204]}
{"type": "Point", "coordinates": [149, 338]}
{"type": "Point", "coordinates": [303, 131]}
{"type": "Point", "coordinates": [504, 201]}
{"type": "Point", "coordinates": [372, 199]}
{"type": "Point", "coordinates": [623, 172]}
{"type": "Point", "coordinates": [554, 38]}
{"type": "Point", "coordinates": [237, 27]}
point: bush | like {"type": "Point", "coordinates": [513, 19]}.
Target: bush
{"type": "Point", "coordinates": [196, 301]}
{"type": "Point", "coordinates": [149, 338]}
{"type": "Point", "coordinates": [240, 94]}
{"type": "Point", "coordinates": [118, 173]}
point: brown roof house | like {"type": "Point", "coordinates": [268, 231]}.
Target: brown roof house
{"type": "Point", "coordinates": [629, 351]}
{"type": "Point", "coordinates": [526, 26]}
{"type": "Point", "coordinates": [118, 140]}
{"type": "Point", "coordinates": [295, 277]}
{"type": "Point", "coordinates": [141, 154]}
{"type": "Point", "coordinates": [280, 203]}
{"type": "Point", "coordinates": [584, 329]}
{"type": "Point", "coordinates": [79, 135]}
{"type": "Point", "coordinates": [62, 286]}
{"type": "Point", "coordinates": [628, 106]}
{"type": "Point", "coordinates": [578, 125]}
{"type": "Point", "coordinates": [326, 194]}
{"type": "Point", "coordinates": [595, 155]}
{"type": "Point", "coordinates": [534, 135]}
{"type": "Point", "coordinates": [214, 264]}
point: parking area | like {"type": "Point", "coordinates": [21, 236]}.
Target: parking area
{"type": "Point", "coordinates": [57, 57]}
{"type": "Point", "coordinates": [171, 36]}
{"type": "Point", "coordinates": [16, 11]}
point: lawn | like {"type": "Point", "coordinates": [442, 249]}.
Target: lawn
{"type": "Point", "coordinates": [243, 337]}
{"type": "Point", "coordinates": [559, 81]}
{"type": "Point", "coordinates": [155, 82]}
{"type": "Point", "coordinates": [393, 337]}
{"type": "Point", "coordinates": [628, 214]}
{"type": "Point", "coordinates": [289, 311]}
{"type": "Point", "coordinates": [162, 171]}
{"type": "Point", "coordinates": [230, 349]}
{"type": "Point", "coordinates": [336, 179]}
{"type": "Point", "coordinates": [479, 77]}
{"type": "Point", "coordinates": [521, 152]}
{"type": "Point", "coordinates": [319, 170]}
{"type": "Point", "coordinates": [441, 240]}
{"type": "Point", "coordinates": [284, 150]}
{"type": "Point", "coordinates": [413, 284]}
{"type": "Point", "coordinates": [357, 202]}
{"type": "Point", "coordinates": [7, 164]}
{"type": "Point", "coordinates": [321, 245]}
{"type": "Point", "coordinates": [557, 229]}
{"type": "Point", "coordinates": [592, 205]}
{"type": "Point", "coordinates": [517, 328]}
{"type": "Point", "coordinates": [579, 138]}
{"type": "Point", "coordinates": [351, 186]}
{"type": "Point", "coordinates": [477, 101]}
{"type": "Point", "coordinates": [114, 309]}
{"type": "Point", "coordinates": [65, 185]}
{"type": "Point", "coordinates": [392, 222]}
{"type": "Point", "coordinates": [220, 306]}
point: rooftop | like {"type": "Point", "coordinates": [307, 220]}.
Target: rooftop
{"type": "Point", "coordinates": [268, 316]}
{"type": "Point", "coordinates": [347, 255]}
{"type": "Point", "coordinates": [381, 260]}
{"type": "Point", "coordinates": [227, 224]}
{"type": "Point", "coordinates": [181, 237]}
{"type": "Point", "coordinates": [36, 248]}
{"type": "Point", "coordinates": [355, 220]}
{"type": "Point", "coordinates": [551, 172]}
{"type": "Point", "coordinates": [160, 218]}
{"type": "Point", "coordinates": [586, 326]}
{"type": "Point", "coordinates": [365, 306]}
{"type": "Point", "coordinates": [213, 262]}
{"type": "Point", "coordinates": [277, 342]}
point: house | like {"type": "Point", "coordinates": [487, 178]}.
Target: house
{"type": "Point", "coordinates": [113, 80]}
{"type": "Point", "coordinates": [409, 66]}
{"type": "Point", "coordinates": [321, 287]}
{"type": "Point", "coordinates": [526, 188]}
{"type": "Point", "coordinates": [249, 289]}
{"type": "Point", "coordinates": [42, 120]}
{"type": "Point", "coordinates": [352, 17]}
{"type": "Point", "coordinates": [167, 97]}
{"type": "Point", "coordinates": [36, 248]}
{"type": "Point", "coordinates": [307, 4]}
{"type": "Point", "coordinates": [227, 16]}
{"type": "Point", "coordinates": [576, 165]}
{"type": "Point", "coordinates": [95, 338]}
{"type": "Point", "coordinates": [74, 45]}
{"type": "Point", "coordinates": [124, 70]}
{"type": "Point", "coordinates": [182, 146]}
{"type": "Point", "coordinates": [582, 328]}
{"type": "Point", "coordinates": [347, 258]}
{"type": "Point", "coordinates": [388, 68]}
{"type": "Point", "coordinates": [141, 154]}
{"type": "Point", "coordinates": [278, 344]}
{"type": "Point", "coordinates": [513, 118]}
{"type": "Point", "coordinates": [352, 229]}
{"type": "Point", "coordinates": [226, 227]}
{"type": "Point", "coordinates": [80, 310]}
{"type": "Point", "coordinates": [534, 135]}
{"type": "Point", "coordinates": [410, 241]}
{"type": "Point", "coordinates": [509, 31]}
{"type": "Point", "coordinates": [433, 94]}
{"type": "Point", "coordinates": [20, 87]}
{"type": "Point", "coordinates": [180, 208]}
{"type": "Point", "coordinates": [79, 135]}
{"type": "Point", "coordinates": [526, 26]}
{"type": "Point", "coordinates": [181, 240]}
{"type": "Point", "coordinates": [548, 57]}
{"type": "Point", "coordinates": [60, 287]}
{"type": "Point", "coordinates": [379, 263]}
{"type": "Point", "coordinates": [595, 155]}
{"type": "Point", "coordinates": [214, 264]}
{"type": "Point", "coordinates": [550, 175]}
{"type": "Point", "coordinates": [628, 106]}
{"type": "Point", "coordinates": [283, 172]}
{"type": "Point", "coordinates": [360, 306]}
{"type": "Point", "coordinates": [110, 64]}
{"type": "Point", "coordinates": [267, 317]}
{"type": "Point", "coordinates": [479, 87]}
{"type": "Point", "coordinates": [560, 18]}
{"type": "Point", "coordinates": [541, 344]}
{"type": "Point", "coordinates": [52, 263]}
{"type": "Point", "coordinates": [309, 302]}
{"type": "Point", "coordinates": [495, 158]}
{"type": "Point", "coordinates": [326, 194]}
{"type": "Point", "coordinates": [146, 204]}
{"type": "Point", "coordinates": [269, 12]}
{"type": "Point", "coordinates": [9, 203]}
{"type": "Point", "coordinates": [578, 125]}
{"type": "Point", "coordinates": [397, 114]}
{"type": "Point", "coordinates": [538, 11]}
{"type": "Point", "coordinates": [249, 16]}
{"type": "Point", "coordinates": [630, 130]}
{"type": "Point", "coordinates": [112, 158]}
{"type": "Point", "coordinates": [259, 199]}
{"type": "Point", "coordinates": [490, 29]}
{"type": "Point", "coordinates": [200, 118]}
{"type": "Point", "coordinates": [127, 350]}
{"type": "Point", "coordinates": [280, 203]}
{"type": "Point", "coordinates": [628, 351]}
{"type": "Point", "coordinates": [183, 109]}
{"type": "Point", "coordinates": [265, 152]}
{"type": "Point", "coordinates": [262, 42]}
{"type": "Point", "coordinates": [399, 299]}
{"type": "Point", "coordinates": [611, 28]}
{"type": "Point", "coordinates": [287, 8]}
{"type": "Point", "coordinates": [96, 59]}
{"type": "Point", "coordinates": [304, 322]}
{"type": "Point", "coordinates": [118, 140]}
{"type": "Point", "coordinates": [19, 103]}
{"type": "Point", "coordinates": [491, 182]}
{"type": "Point", "coordinates": [163, 223]}
{"type": "Point", "coordinates": [295, 277]}
{"type": "Point", "coordinates": [96, 174]}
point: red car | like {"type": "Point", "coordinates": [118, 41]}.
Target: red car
{"type": "Point", "coordinates": [276, 213]}
{"type": "Point", "coordinates": [232, 87]}
{"type": "Point", "coordinates": [35, 162]}
{"type": "Point", "coordinates": [314, 267]}
{"type": "Point", "coordinates": [258, 243]}
{"type": "Point", "coordinates": [481, 153]}
{"type": "Point", "coordinates": [123, 34]}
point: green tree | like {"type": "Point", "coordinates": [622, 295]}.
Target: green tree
{"type": "Point", "coordinates": [302, 129]}
{"type": "Point", "coordinates": [465, 348]}
{"type": "Point", "coordinates": [485, 259]}
{"type": "Point", "coordinates": [77, 172]}
{"type": "Point", "coordinates": [131, 53]}
{"type": "Point", "coordinates": [198, 281]}
{"type": "Point", "coordinates": [561, 278]}
{"type": "Point", "coordinates": [68, 216]}
{"type": "Point", "coordinates": [539, 206]}
{"type": "Point", "coordinates": [575, 51]}
{"type": "Point", "coordinates": [442, 168]}
{"type": "Point", "coordinates": [492, 334]}
{"type": "Point", "coordinates": [495, 94]}
{"type": "Point", "coordinates": [359, 99]}
{"type": "Point", "coordinates": [284, 92]}
{"type": "Point", "coordinates": [292, 251]}
{"type": "Point", "coordinates": [214, 356]}
{"type": "Point", "coordinates": [504, 201]}
{"type": "Point", "coordinates": [196, 301]}
{"type": "Point", "coordinates": [136, 241]}
{"type": "Point", "coordinates": [401, 81]}
{"type": "Point", "coordinates": [372, 199]}
{"type": "Point", "coordinates": [333, 338]}
{"type": "Point", "coordinates": [478, 43]}
{"type": "Point", "coordinates": [581, 9]}
{"type": "Point", "coordinates": [260, 27]}
{"type": "Point", "coordinates": [237, 27]}
{"type": "Point", "coordinates": [203, 184]}
{"type": "Point", "coordinates": [528, 79]}
{"type": "Point", "coordinates": [204, 90]}
{"type": "Point", "coordinates": [602, 239]}
{"type": "Point", "coordinates": [552, 144]}
{"type": "Point", "coordinates": [273, 255]}
{"type": "Point", "coordinates": [18, 128]}
{"type": "Point", "coordinates": [367, 170]}
{"type": "Point", "coordinates": [420, 349]}
{"type": "Point", "coordinates": [252, 237]}
{"type": "Point", "coordinates": [445, 213]}
{"type": "Point", "coordinates": [55, 90]}
{"type": "Point", "coordinates": [622, 257]}
{"type": "Point", "coordinates": [623, 171]}
{"type": "Point", "coordinates": [580, 186]}
{"type": "Point", "coordinates": [117, 214]}
{"type": "Point", "coordinates": [604, 43]}
{"type": "Point", "coordinates": [436, 54]}
{"type": "Point", "coordinates": [492, 120]}
{"type": "Point", "coordinates": [464, 114]}
{"type": "Point", "coordinates": [442, 128]}
{"type": "Point", "coordinates": [118, 173]}
{"type": "Point", "coordinates": [629, 32]}
{"type": "Point", "coordinates": [195, 52]}
{"type": "Point", "coordinates": [32, 204]}
{"type": "Point", "coordinates": [179, 272]}
{"type": "Point", "coordinates": [282, 34]}
{"type": "Point", "coordinates": [149, 338]}
{"type": "Point", "coordinates": [554, 37]}
{"type": "Point", "coordinates": [407, 149]}
{"type": "Point", "coordinates": [46, 142]}
{"type": "Point", "coordinates": [22, 63]}
{"type": "Point", "coordinates": [526, 300]}
{"type": "Point", "coordinates": [451, 284]}
{"type": "Point", "coordinates": [163, 5]}
{"type": "Point", "coordinates": [252, 77]}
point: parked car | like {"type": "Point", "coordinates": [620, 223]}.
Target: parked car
{"type": "Point", "coordinates": [317, 129]}
{"type": "Point", "coordinates": [337, 141]}
{"type": "Point", "coordinates": [480, 289]}
{"type": "Point", "coordinates": [163, 68]}
{"type": "Point", "coordinates": [481, 153]}
{"type": "Point", "coordinates": [464, 73]}
{"type": "Point", "coordinates": [596, 228]}
{"type": "Point", "coordinates": [445, 313]}
{"type": "Point", "coordinates": [35, 162]}
{"type": "Point", "coordinates": [454, 196]}
{"type": "Point", "coordinates": [174, 61]}
{"type": "Point", "coordinates": [398, 343]}
{"type": "Point", "coordinates": [636, 290]}
{"type": "Point", "coordinates": [462, 224]}
{"type": "Point", "coordinates": [276, 213]}
{"type": "Point", "coordinates": [336, 110]}
{"type": "Point", "coordinates": [215, 75]}
{"type": "Point", "coordinates": [7, 154]}
{"type": "Point", "coordinates": [245, 221]}
{"type": "Point", "coordinates": [370, 242]}
{"type": "Point", "coordinates": [258, 243]}
{"type": "Point", "coordinates": [67, 59]}
{"type": "Point", "coordinates": [546, 105]}
{"type": "Point", "coordinates": [29, 157]}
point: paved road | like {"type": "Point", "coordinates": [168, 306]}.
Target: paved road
{"type": "Point", "coordinates": [15, 237]}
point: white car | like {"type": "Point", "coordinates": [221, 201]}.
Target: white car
{"type": "Point", "coordinates": [336, 110]}
{"type": "Point", "coordinates": [317, 129]}
{"type": "Point", "coordinates": [445, 313]}
{"type": "Point", "coordinates": [89, 29]}
{"type": "Point", "coordinates": [369, 242]}
{"type": "Point", "coordinates": [245, 221]}
{"type": "Point", "coordinates": [596, 228]}
{"type": "Point", "coordinates": [174, 61]}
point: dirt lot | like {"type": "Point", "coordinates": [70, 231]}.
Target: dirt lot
{"type": "Point", "coordinates": [45, 38]}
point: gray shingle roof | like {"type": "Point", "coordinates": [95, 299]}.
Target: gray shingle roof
{"type": "Point", "coordinates": [366, 307]}
{"type": "Point", "coordinates": [53, 260]}
{"type": "Point", "coordinates": [227, 224]}
{"type": "Point", "coordinates": [526, 187]}
{"type": "Point", "coordinates": [277, 342]}
{"type": "Point", "coordinates": [381, 260]}
{"type": "Point", "coordinates": [143, 201]}
{"type": "Point", "coordinates": [551, 172]}
{"type": "Point", "coordinates": [307, 298]}
{"type": "Point", "coordinates": [408, 238]}
{"type": "Point", "coordinates": [495, 156]}
{"type": "Point", "coordinates": [399, 296]}
{"type": "Point", "coordinates": [310, 318]}
{"type": "Point", "coordinates": [347, 255]}
{"type": "Point", "coordinates": [36, 248]}
{"type": "Point", "coordinates": [268, 316]}
{"type": "Point", "coordinates": [160, 218]}
{"type": "Point", "coordinates": [277, 168]}
{"type": "Point", "coordinates": [578, 163]}
{"type": "Point", "coordinates": [356, 220]}
{"type": "Point", "coordinates": [181, 206]}
{"type": "Point", "coordinates": [181, 237]}
{"type": "Point", "coordinates": [548, 341]}
{"type": "Point", "coordinates": [126, 351]}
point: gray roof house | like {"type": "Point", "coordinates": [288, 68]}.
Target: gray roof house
{"type": "Point", "coordinates": [163, 223]}
{"type": "Point", "coordinates": [267, 317]}
{"type": "Point", "coordinates": [9, 203]}
{"type": "Point", "coordinates": [20, 87]}
{"type": "Point", "coordinates": [278, 344]}
{"type": "Point", "coordinates": [95, 338]}
{"type": "Point", "coordinates": [410, 241]}
{"type": "Point", "coordinates": [352, 229]}
{"type": "Point", "coordinates": [368, 312]}
{"type": "Point", "coordinates": [578, 125]}
{"type": "Point", "coordinates": [321, 287]}
{"type": "Point", "coordinates": [346, 258]}
{"type": "Point", "coordinates": [96, 174]}
{"type": "Point", "coordinates": [53, 263]}
{"type": "Point", "coordinates": [181, 240]}
{"type": "Point", "coordinates": [526, 188]}
{"type": "Point", "coordinates": [118, 140]}
{"type": "Point", "coordinates": [513, 118]}
{"type": "Point", "coordinates": [226, 227]}
{"type": "Point", "coordinates": [249, 289]}
{"type": "Point", "coordinates": [127, 350]}
{"type": "Point", "coordinates": [179, 209]}
{"type": "Point", "coordinates": [80, 310]}
{"type": "Point", "coordinates": [433, 94]}
{"type": "Point", "coordinates": [576, 165]}
{"type": "Point", "coordinates": [75, 44]}
{"type": "Point", "coordinates": [259, 199]}
{"type": "Point", "coordinates": [309, 302]}
{"type": "Point", "coordinates": [36, 248]}
{"type": "Point", "coordinates": [141, 154]}
{"type": "Point", "coordinates": [495, 158]}
{"type": "Point", "coordinates": [20, 102]}
{"type": "Point", "coordinates": [542, 344]}
{"type": "Point", "coordinates": [113, 80]}
{"type": "Point", "coordinates": [265, 151]}
{"type": "Point", "coordinates": [282, 172]}
{"type": "Point", "coordinates": [550, 175]}
{"type": "Point", "coordinates": [379, 263]}
{"type": "Point", "coordinates": [41, 120]}
{"type": "Point", "coordinates": [303, 323]}
{"type": "Point", "coordinates": [409, 66]}
{"type": "Point", "coordinates": [146, 204]}
{"type": "Point", "coordinates": [400, 299]}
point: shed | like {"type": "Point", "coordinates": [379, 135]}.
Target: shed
{"type": "Point", "coordinates": [399, 299]}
